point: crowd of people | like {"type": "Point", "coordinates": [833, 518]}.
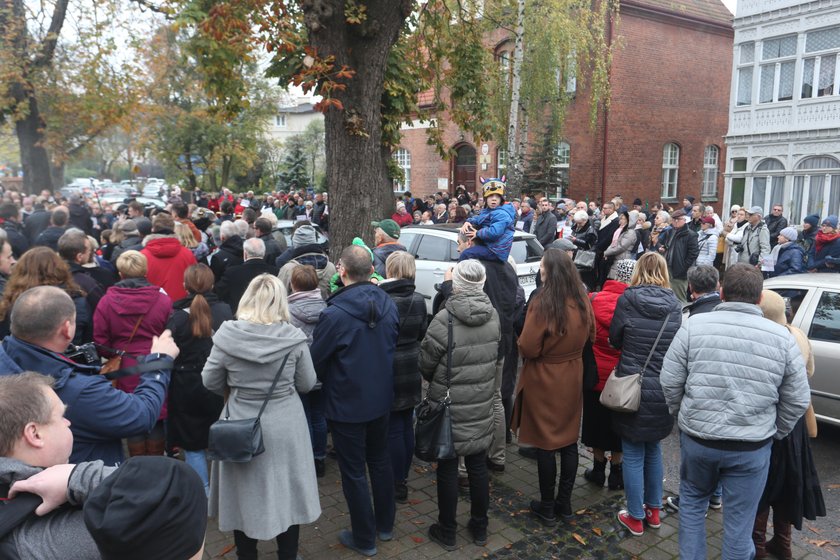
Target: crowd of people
{"type": "Point", "coordinates": [197, 306]}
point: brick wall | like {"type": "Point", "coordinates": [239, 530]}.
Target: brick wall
{"type": "Point", "coordinates": [670, 83]}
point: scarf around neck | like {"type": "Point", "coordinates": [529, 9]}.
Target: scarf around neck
{"type": "Point", "coordinates": [824, 239]}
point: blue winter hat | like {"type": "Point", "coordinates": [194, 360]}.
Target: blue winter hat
{"type": "Point", "coordinates": [831, 221]}
{"type": "Point", "coordinates": [812, 220]}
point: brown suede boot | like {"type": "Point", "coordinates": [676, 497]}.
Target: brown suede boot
{"type": "Point", "coordinates": [779, 545]}
{"type": "Point", "coordinates": [759, 533]}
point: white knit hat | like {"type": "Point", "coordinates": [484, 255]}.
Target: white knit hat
{"type": "Point", "coordinates": [468, 276]}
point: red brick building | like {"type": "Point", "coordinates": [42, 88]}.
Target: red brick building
{"type": "Point", "coordinates": [662, 138]}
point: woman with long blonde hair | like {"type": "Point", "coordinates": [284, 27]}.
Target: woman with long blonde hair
{"type": "Point", "coordinates": [273, 494]}
{"type": "Point", "coordinates": [647, 308]}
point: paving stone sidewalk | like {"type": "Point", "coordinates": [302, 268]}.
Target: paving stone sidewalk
{"type": "Point", "coordinates": [513, 532]}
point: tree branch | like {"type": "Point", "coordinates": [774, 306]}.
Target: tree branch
{"type": "Point", "coordinates": [47, 50]}
{"type": "Point", "coordinates": [147, 5]}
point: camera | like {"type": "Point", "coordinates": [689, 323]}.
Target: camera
{"type": "Point", "coordinates": [85, 354]}
{"type": "Point", "coordinates": [739, 248]}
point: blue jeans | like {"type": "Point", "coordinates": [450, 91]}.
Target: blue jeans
{"type": "Point", "coordinates": [643, 476]}
{"type": "Point", "coordinates": [313, 407]}
{"type": "Point", "coordinates": [401, 442]}
{"type": "Point", "coordinates": [358, 445]}
{"type": "Point", "coordinates": [198, 461]}
{"type": "Point", "coordinates": [743, 475]}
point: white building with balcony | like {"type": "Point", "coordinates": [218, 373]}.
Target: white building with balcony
{"type": "Point", "coordinates": [783, 143]}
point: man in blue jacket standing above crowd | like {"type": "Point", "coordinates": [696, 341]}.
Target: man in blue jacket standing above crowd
{"type": "Point", "coordinates": [43, 324]}
{"type": "Point", "coordinates": [353, 352]}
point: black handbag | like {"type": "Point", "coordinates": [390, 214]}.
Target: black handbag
{"type": "Point", "coordinates": [433, 431]}
{"type": "Point", "coordinates": [590, 367]}
{"type": "Point", "coordinates": [239, 441]}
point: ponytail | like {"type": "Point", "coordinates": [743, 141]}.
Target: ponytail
{"type": "Point", "coordinates": [201, 319]}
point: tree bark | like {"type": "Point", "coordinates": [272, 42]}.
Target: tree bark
{"type": "Point", "coordinates": [33, 154]}
{"type": "Point", "coordinates": [355, 160]}
{"type": "Point", "coordinates": [515, 163]}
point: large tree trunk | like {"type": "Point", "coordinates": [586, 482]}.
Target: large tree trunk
{"type": "Point", "coordinates": [33, 154]}
{"type": "Point", "coordinates": [356, 166]}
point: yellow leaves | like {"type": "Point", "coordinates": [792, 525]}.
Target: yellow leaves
{"type": "Point", "coordinates": [579, 539]}
{"type": "Point", "coordinates": [597, 531]}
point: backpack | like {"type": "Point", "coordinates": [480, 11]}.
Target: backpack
{"type": "Point", "coordinates": [324, 274]}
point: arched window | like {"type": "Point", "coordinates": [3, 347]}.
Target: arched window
{"type": "Point", "coordinates": [816, 187]}
{"type": "Point", "coordinates": [670, 170]}
{"type": "Point", "coordinates": [710, 171]}
{"type": "Point", "coordinates": [403, 159]}
{"type": "Point", "coordinates": [768, 184]}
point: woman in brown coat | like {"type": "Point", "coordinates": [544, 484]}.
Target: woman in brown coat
{"type": "Point", "coordinates": [549, 395]}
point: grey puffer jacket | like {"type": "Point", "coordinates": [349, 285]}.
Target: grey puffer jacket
{"type": "Point", "coordinates": [61, 533]}
{"type": "Point", "coordinates": [734, 375]}
{"type": "Point", "coordinates": [639, 315]}
{"type": "Point", "coordinates": [475, 342]}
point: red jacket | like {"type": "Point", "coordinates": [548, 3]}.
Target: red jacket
{"type": "Point", "coordinates": [402, 219]}
{"type": "Point", "coordinates": [168, 260]}
{"type": "Point", "coordinates": [603, 305]}
{"type": "Point", "coordinates": [119, 310]}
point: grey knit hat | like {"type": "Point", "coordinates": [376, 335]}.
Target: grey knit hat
{"type": "Point", "coordinates": [468, 276]}
{"type": "Point", "coordinates": [789, 233]}
{"type": "Point", "coordinates": [304, 235]}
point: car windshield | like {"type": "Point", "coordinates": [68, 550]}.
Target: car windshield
{"type": "Point", "coordinates": [526, 250]}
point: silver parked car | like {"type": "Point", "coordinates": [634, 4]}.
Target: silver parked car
{"type": "Point", "coordinates": [815, 308]}
{"type": "Point", "coordinates": [435, 249]}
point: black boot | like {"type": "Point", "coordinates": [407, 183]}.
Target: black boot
{"type": "Point", "coordinates": [568, 472]}
{"type": "Point", "coordinates": [596, 474]}
{"type": "Point", "coordinates": [616, 480]}
{"type": "Point", "coordinates": [444, 537]}
{"type": "Point", "coordinates": [401, 492]}
{"type": "Point", "coordinates": [320, 468]}
{"type": "Point", "coordinates": [544, 512]}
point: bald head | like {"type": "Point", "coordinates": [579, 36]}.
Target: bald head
{"type": "Point", "coordinates": [40, 313]}
{"type": "Point", "coordinates": [356, 263]}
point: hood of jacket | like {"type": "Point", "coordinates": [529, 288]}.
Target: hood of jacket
{"type": "Point", "coordinates": [403, 287]}
{"type": "Point", "coordinates": [164, 247]}
{"type": "Point", "coordinates": [306, 307]}
{"type": "Point", "coordinates": [264, 343]}
{"type": "Point", "coordinates": [133, 296]}
{"type": "Point", "coordinates": [363, 301]}
{"type": "Point", "coordinates": [471, 308]}
{"type": "Point", "coordinates": [649, 302]}
{"type": "Point", "coordinates": [603, 302]}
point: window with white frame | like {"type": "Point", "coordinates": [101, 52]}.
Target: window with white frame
{"type": "Point", "coordinates": [710, 171]}
{"type": "Point", "coordinates": [571, 72]}
{"type": "Point", "coordinates": [768, 184]}
{"type": "Point", "coordinates": [778, 62]}
{"type": "Point", "coordinates": [820, 73]}
{"type": "Point", "coordinates": [501, 161]}
{"type": "Point", "coordinates": [280, 120]}
{"type": "Point", "coordinates": [746, 59]}
{"type": "Point", "coordinates": [560, 167]}
{"type": "Point", "coordinates": [403, 159]}
{"type": "Point", "coordinates": [670, 170]}
{"type": "Point", "coordinates": [816, 188]}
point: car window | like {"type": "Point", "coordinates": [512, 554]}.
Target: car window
{"type": "Point", "coordinates": [826, 322]}
{"type": "Point", "coordinates": [406, 239]}
{"type": "Point", "coordinates": [526, 250]}
{"type": "Point", "coordinates": [433, 248]}
{"type": "Point", "coordinates": [793, 300]}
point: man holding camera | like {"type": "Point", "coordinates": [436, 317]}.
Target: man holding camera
{"type": "Point", "coordinates": [755, 246]}
{"type": "Point", "coordinates": [43, 322]}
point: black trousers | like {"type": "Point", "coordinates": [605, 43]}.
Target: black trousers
{"type": "Point", "coordinates": [447, 489]}
{"type": "Point", "coordinates": [287, 544]}
{"type": "Point", "coordinates": [547, 472]}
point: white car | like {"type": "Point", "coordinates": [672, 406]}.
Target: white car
{"type": "Point", "coordinates": [435, 250]}
{"type": "Point", "coordinates": [815, 306]}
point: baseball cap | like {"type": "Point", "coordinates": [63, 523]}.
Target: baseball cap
{"type": "Point", "coordinates": [756, 210]}
{"type": "Point", "coordinates": [390, 227]}
{"type": "Point", "coordinates": [563, 244]}
{"type": "Point", "coordinates": [707, 220]}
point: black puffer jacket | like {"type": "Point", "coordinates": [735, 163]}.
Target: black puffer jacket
{"type": "Point", "coordinates": [412, 309]}
{"type": "Point", "coordinates": [584, 236]}
{"type": "Point", "coordinates": [192, 408]}
{"type": "Point", "coordinates": [228, 255]}
{"type": "Point", "coordinates": [638, 317]}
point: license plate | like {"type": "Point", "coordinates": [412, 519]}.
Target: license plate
{"type": "Point", "coordinates": [527, 279]}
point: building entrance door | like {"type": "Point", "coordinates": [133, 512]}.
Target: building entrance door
{"type": "Point", "coordinates": [464, 168]}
